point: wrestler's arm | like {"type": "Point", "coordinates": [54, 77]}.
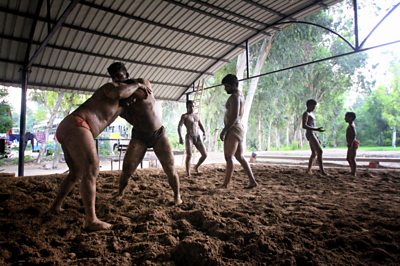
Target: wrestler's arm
{"type": "Point", "coordinates": [120, 90]}
{"type": "Point", "coordinates": [179, 128]}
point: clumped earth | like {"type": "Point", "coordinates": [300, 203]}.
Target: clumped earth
{"type": "Point", "coordinates": [290, 219]}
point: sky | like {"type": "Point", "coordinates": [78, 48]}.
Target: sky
{"type": "Point", "coordinates": [388, 31]}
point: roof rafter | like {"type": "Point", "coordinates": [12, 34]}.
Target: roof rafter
{"type": "Point", "coordinates": [66, 25]}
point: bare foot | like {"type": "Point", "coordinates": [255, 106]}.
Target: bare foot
{"type": "Point", "coordinates": [309, 172]}
{"type": "Point", "coordinates": [196, 169]}
{"type": "Point", "coordinates": [55, 210]}
{"type": "Point", "coordinates": [223, 186]}
{"type": "Point", "coordinates": [324, 173]}
{"type": "Point", "coordinates": [96, 226]}
{"type": "Point", "coordinates": [178, 201]}
{"type": "Point", "coordinates": [251, 185]}
{"type": "Point", "coordinates": [117, 195]}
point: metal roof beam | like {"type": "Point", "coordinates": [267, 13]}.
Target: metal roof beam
{"type": "Point", "coordinates": [51, 87]}
{"type": "Point", "coordinates": [18, 13]}
{"type": "Point", "coordinates": [83, 72]}
{"type": "Point", "coordinates": [58, 25]}
{"type": "Point", "coordinates": [109, 10]}
{"type": "Point", "coordinates": [219, 17]}
{"type": "Point", "coordinates": [104, 56]}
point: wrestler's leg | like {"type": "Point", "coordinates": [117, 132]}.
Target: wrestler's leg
{"type": "Point", "coordinates": [81, 149]}
{"type": "Point", "coordinates": [311, 159]}
{"type": "Point", "coordinates": [164, 153]}
{"type": "Point", "coordinates": [231, 144]}
{"type": "Point", "coordinates": [202, 149]}
{"type": "Point", "coordinates": [188, 146]}
{"type": "Point", "coordinates": [316, 149]}
{"type": "Point", "coordinates": [239, 156]}
{"type": "Point", "coordinates": [133, 156]}
{"type": "Point", "coordinates": [351, 158]}
{"type": "Point", "coordinates": [67, 183]}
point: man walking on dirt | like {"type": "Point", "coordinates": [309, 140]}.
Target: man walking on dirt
{"type": "Point", "coordinates": [193, 124]}
{"type": "Point", "coordinates": [233, 133]}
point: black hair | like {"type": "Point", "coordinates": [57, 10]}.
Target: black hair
{"type": "Point", "coordinates": [230, 79]}
{"type": "Point", "coordinates": [311, 102]}
{"type": "Point", "coordinates": [351, 115]}
{"type": "Point", "coordinates": [115, 68]}
{"type": "Point", "coordinates": [189, 102]}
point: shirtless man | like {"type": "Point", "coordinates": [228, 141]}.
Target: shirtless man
{"type": "Point", "coordinates": [233, 133]}
{"type": "Point", "coordinates": [192, 124]}
{"type": "Point", "coordinates": [147, 132]}
{"type": "Point", "coordinates": [308, 123]}
{"type": "Point", "coordinates": [76, 134]}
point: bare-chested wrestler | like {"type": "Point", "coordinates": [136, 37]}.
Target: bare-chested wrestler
{"type": "Point", "coordinates": [76, 134]}
{"type": "Point", "coordinates": [308, 123]}
{"type": "Point", "coordinates": [148, 132]}
{"type": "Point", "coordinates": [193, 124]}
{"type": "Point", "coordinates": [233, 133]}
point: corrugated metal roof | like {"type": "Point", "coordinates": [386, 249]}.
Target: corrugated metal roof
{"type": "Point", "coordinates": [173, 43]}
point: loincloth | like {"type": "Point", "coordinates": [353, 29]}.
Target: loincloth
{"type": "Point", "coordinates": [78, 122]}
{"type": "Point", "coordinates": [149, 139]}
{"type": "Point", "coordinates": [194, 139]}
{"type": "Point", "coordinates": [237, 131]}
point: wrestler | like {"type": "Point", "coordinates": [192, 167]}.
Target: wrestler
{"type": "Point", "coordinates": [193, 124]}
{"type": "Point", "coordinates": [352, 142]}
{"type": "Point", "coordinates": [76, 134]}
{"type": "Point", "coordinates": [147, 132]}
{"type": "Point", "coordinates": [233, 133]}
{"type": "Point", "coordinates": [308, 123]}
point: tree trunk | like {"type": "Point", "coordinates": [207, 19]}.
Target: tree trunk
{"type": "Point", "coordinates": [301, 136]}
{"type": "Point", "coordinates": [394, 136]}
{"type": "Point", "coordinates": [262, 55]}
{"type": "Point", "coordinates": [50, 125]}
{"type": "Point", "coordinates": [287, 134]}
{"type": "Point", "coordinates": [269, 136]}
{"type": "Point", "coordinates": [240, 67]}
{"type": "Point", "coordinates": [277, 138]}
{"type": "Point", "coordinates": [259, 132]}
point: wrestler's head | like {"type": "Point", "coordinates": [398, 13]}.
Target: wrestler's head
{"type": "Point", "coordinates": [231, 83]}
{"type": "Point", "coordinates": [118, 72]}
{"type": "Point", "coordinates": [311, 104]}
{"type": "Point", "coordinates": [189, 106]}
{"type": "Point", "coordinates": [349, 117]}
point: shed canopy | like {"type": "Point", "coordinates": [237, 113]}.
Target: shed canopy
{"type": "Point", "coordinates": [67, 45]}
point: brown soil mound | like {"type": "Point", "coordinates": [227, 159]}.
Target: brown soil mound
{"type": "Point", "coordinates": [289, 219]}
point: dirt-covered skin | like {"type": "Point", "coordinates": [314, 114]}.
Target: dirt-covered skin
{"type": "Point", "coordinates": [290, 219]}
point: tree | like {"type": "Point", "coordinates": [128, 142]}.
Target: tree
{"type": "Point", "coordinates": [5, 112]}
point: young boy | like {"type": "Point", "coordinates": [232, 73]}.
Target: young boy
{"type": "Point", "coordinates": [308, 123]}
{"type": "Point", "coordinates": [352, 142]}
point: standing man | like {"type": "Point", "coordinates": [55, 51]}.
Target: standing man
{"type": "Point", "coordinates": [233, 133]}
{"type": "Point", "coordinates": [352, 142]}
{"type": "Point", "coordinates": [193, 124]}
{"type": "Point", "coordinates": [147, 132]}
{"type": "Point", "coordinates": [308, 123]}
{"type": "Point", "coordinates": [76, 134]}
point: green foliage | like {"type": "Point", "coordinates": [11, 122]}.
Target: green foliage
{"type": "Point", "coordinates": [5, 112]}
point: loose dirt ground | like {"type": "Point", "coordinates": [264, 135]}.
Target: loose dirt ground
{"type": "Point", "coordinates": [289, 219]}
